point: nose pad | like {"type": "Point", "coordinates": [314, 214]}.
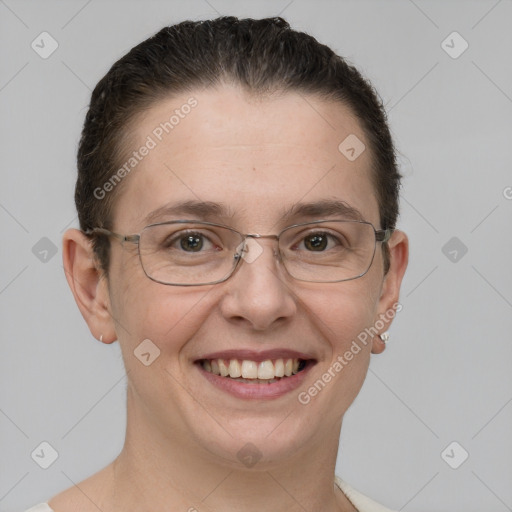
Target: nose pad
{"type": "Point", "coordinates": [250, 250]}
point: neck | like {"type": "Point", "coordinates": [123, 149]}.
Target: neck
{"type": "Point", "coordinates": [156, 469]}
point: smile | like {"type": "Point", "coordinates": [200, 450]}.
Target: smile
{"type": "Point", "coordinates": [256, 374]}
{"type": "Point", "coordinates": [264, 372]}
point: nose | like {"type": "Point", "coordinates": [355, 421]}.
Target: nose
{"type": "Point", "coordinates": [259, 293]}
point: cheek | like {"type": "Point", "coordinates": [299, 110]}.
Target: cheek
{"type": "Point", "coordinates": [142, 308]}
{"type": "Point", "coordinates": [343, 315]}
{"type": "Point", "coordinates": [167, 316]}
{"type": "Point", "coordinates": [344, 311]}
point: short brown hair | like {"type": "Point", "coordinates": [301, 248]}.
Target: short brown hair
{"type": "Point", "coordinates": [262, 56]}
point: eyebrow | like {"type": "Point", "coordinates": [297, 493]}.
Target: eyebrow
{"type": "Point", "coordinates": [207, 210]}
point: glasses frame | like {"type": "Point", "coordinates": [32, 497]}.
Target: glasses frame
{"type": "Point", "coordinates": [381, 235]}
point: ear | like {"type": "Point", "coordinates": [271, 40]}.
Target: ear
{"type": "Point", "coordinates": [387, 307]}
{"type": "Point", "coordinates": [88, 284]}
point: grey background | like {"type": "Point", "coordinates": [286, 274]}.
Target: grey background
{"type": "Point", "coordinates": [445, 375]}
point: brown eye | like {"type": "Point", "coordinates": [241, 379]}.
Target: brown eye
{"type": "Point", "coordinates": [192, 243]}
{"type": "Point", "coordinates": [317, 242]}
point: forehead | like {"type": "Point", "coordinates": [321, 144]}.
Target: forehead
{"type": "Point", "coordinates": [256, 158]}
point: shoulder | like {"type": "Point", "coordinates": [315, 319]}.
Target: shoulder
{"type": "Point", "coordinates": [87, 496]}
{"type": "Point", "coordinates": [359, 500]}
{"type": "Point", "coordinates": [42, 507]}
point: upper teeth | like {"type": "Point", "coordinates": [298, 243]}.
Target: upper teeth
{"type": "Point", "coordinates": [251, 369]}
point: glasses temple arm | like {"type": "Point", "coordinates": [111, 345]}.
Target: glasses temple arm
{"type": "Point", "coordinates": [122, 238]}
{"type": "Point", "coordinates": [383, 235]}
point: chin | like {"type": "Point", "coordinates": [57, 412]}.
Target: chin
{"type": "Point", "coordinates": [257, 443]}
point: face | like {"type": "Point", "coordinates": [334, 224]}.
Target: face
{"type": "Point", "coordinates": [256, 159]}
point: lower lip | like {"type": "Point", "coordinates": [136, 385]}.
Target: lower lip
{"type": "Point", "coordinates": [257, 391]}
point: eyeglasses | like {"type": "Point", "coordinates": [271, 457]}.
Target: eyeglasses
{"type": "Point", "coordinates": [193, 253]}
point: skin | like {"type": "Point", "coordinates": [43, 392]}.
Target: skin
{"type": "Point", "coordinates": [183, 434]}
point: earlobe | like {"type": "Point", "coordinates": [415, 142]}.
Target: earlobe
{"type": "Point", "coordinates": [379, 343]}
{"type": "Point", "coordinates": [389, 298]}
{"type": "Point", "coordinates": [89, 287]}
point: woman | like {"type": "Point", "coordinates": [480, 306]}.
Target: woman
{"type": "Point", "coordinates": [237, 194]}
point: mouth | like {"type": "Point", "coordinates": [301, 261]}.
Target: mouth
{"type": "Point", "coordinates": [254, 372]}
{"type": "Point", "coordinates": [256, 376]}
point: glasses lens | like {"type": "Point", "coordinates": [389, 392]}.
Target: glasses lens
{"type": "Point", "coordinates": [329, 251]}
{"type": "Point", "coordinates": [188, 253]}
{"type": "Point", "coordinates": [199, 253]}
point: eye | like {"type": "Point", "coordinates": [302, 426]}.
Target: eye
{"type": "Point", "coordinates": [189, 242]}
{"type": "Point", "coordinates": [319, 241]}
{"type": "Point", "coordinates": [194, 243]}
